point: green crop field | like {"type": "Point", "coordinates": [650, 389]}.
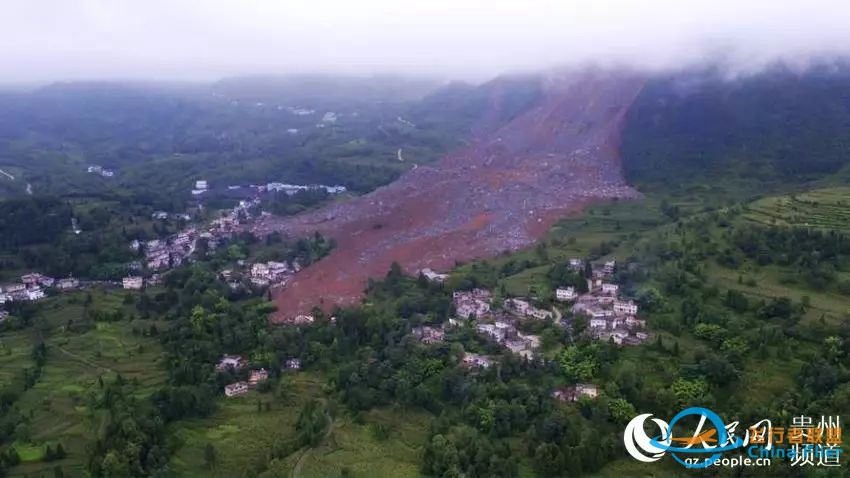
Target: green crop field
{"type": "Point", "coordinates": [76, 358]}
{"type": "Point", "coordinates": [827, 208]}
{"type": "Point", "coordinates": [246, 439]}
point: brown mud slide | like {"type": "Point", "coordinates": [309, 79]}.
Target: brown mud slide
{"type": "Point", "coordinates": [499, 194]}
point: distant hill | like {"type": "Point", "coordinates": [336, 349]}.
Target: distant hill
{"type": "Point", "coordinates": [160, 137]}
{"type": "Point", "coordinates": [322, 88]}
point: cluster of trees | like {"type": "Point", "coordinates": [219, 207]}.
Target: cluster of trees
{"type": "Point", "coordinates": [816, 257]}
{"type": "Point", "coordinates": [284, 204]}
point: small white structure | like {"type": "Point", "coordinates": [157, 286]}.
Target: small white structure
{"type": "Point", "coordinates": [258, 376]}
{"type": "Point", "coordinates": [133, 282]}
{"type": "Point", "coordinates": [434, 276]}
{"type": "Point", "coordinates": [234, 389]}
{"type": "Point", "coordinates": [293, 364]}
{"type": "Point", "coordinates": [201, 184]}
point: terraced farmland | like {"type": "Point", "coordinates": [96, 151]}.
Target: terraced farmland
{"type": "Point", "coordinates": [820, 208]}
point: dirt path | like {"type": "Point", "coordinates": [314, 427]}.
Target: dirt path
{"type": "Point", "coordinates": [558, 315]}
{"type": "Point", "coordinates": [296, 470]}
{"type": "Point", "coordinates": [4, 173]}
{"type": "Point", "coordinates": [400, 158]}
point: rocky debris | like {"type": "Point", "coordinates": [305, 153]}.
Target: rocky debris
{"type": "Point", "coordinates": [498, 194]}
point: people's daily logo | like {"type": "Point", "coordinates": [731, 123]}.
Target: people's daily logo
{"type": "Point", "coordinates": [698, 438]}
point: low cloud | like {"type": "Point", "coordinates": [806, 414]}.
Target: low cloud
{"type": "Point", "coordinates": [46, 40]}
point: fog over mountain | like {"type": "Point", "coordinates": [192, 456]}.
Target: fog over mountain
{"type": "Point", "coordinates": [48, 40]}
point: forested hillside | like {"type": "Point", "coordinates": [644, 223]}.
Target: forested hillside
{"type": "Point", "coordinates": [159, 138]}
{"type": "Point", "coordinates": [774, 126]}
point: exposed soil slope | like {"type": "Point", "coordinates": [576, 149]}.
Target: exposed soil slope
{"type": "Point", "coordinates": [500, 193]}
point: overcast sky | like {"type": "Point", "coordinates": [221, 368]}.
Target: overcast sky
{"type": "Point", "coordinates": [45, 40]}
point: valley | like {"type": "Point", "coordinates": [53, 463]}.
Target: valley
{"type": "Point", "coordinates": [598, 290]}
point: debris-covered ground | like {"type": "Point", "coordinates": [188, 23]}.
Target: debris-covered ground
{"type": "Point", "coordinates": [500, 193]}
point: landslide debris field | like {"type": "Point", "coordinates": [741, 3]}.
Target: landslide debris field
{"type": "Point", "coordinates": [500, 193]}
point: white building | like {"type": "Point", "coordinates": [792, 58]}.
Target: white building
{"type": "Point", "coordinates": [625, 307]}
{"type": "Point", "coordinates": [293, 364]}
{"type": "Point", "coordinates": [566, 293]}
{"type": "Point", "coordinates": [234, 362]}
{"type": "Point", "coordinates": [34, 294]}
{"type": "Point", "coordinates": [133, 282]}
{"type": "Point", "coordinates": [67, 283]}
{"type": "Point", "coordinates": [201, 185]}
{"type": "Point", "coordinates": [519, 306]}
{"type": "Point", "coordinates": [11, 288]}
{"type": "Point", "coordinates": [234, 389]}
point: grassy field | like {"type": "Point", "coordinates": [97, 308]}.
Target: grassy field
{"type": "Point", "coordinates": [619, 224]}
{"type": "Point", "coordinates": [76, 359]}
{"type": "Point", "coordinates": [243, 438]}
{"type": "Point", "coordinates": [353, 446]}
{"type": "Point", "coordinates": [768, 286]}
{"type": "Point", "coordinates": [827, 208]}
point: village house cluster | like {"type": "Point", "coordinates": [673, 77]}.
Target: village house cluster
{"type": "Point", "coordinates": [32, 287]}
{"type": "Point", "coordinates": [505, 333]}
{"type": "Point", "coordinates": [610, 317]}
{"type": "Point", "coordinates": [164, 254]}
{"type": "Point", "coordinates": [474, 303]}
{"type": "Point", "coordinates": [524, 308]}
{"type": "Point", "coordinates": [171, 252]}
{"type": "Point", "coordinates": [575, 392]}
{"type": "Point", "coordinates": [272, 273]}
{"type": "Point", "coordinates": [235, 363]}
{"type": "Point", "coordinates": [428, 335]}
{"type": "Point", "coordinates": [100, 170]}
{"type": "Point", "coordinates": [500, 326]}
{"type": "Point", "coordinates": [476, 361]}
{"type": "Point", "coordinates": [162, 216]}
{"type": "Point", "coordinates": [201, 186]}
{"type": "Point", "coordinates": [292, 189]}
